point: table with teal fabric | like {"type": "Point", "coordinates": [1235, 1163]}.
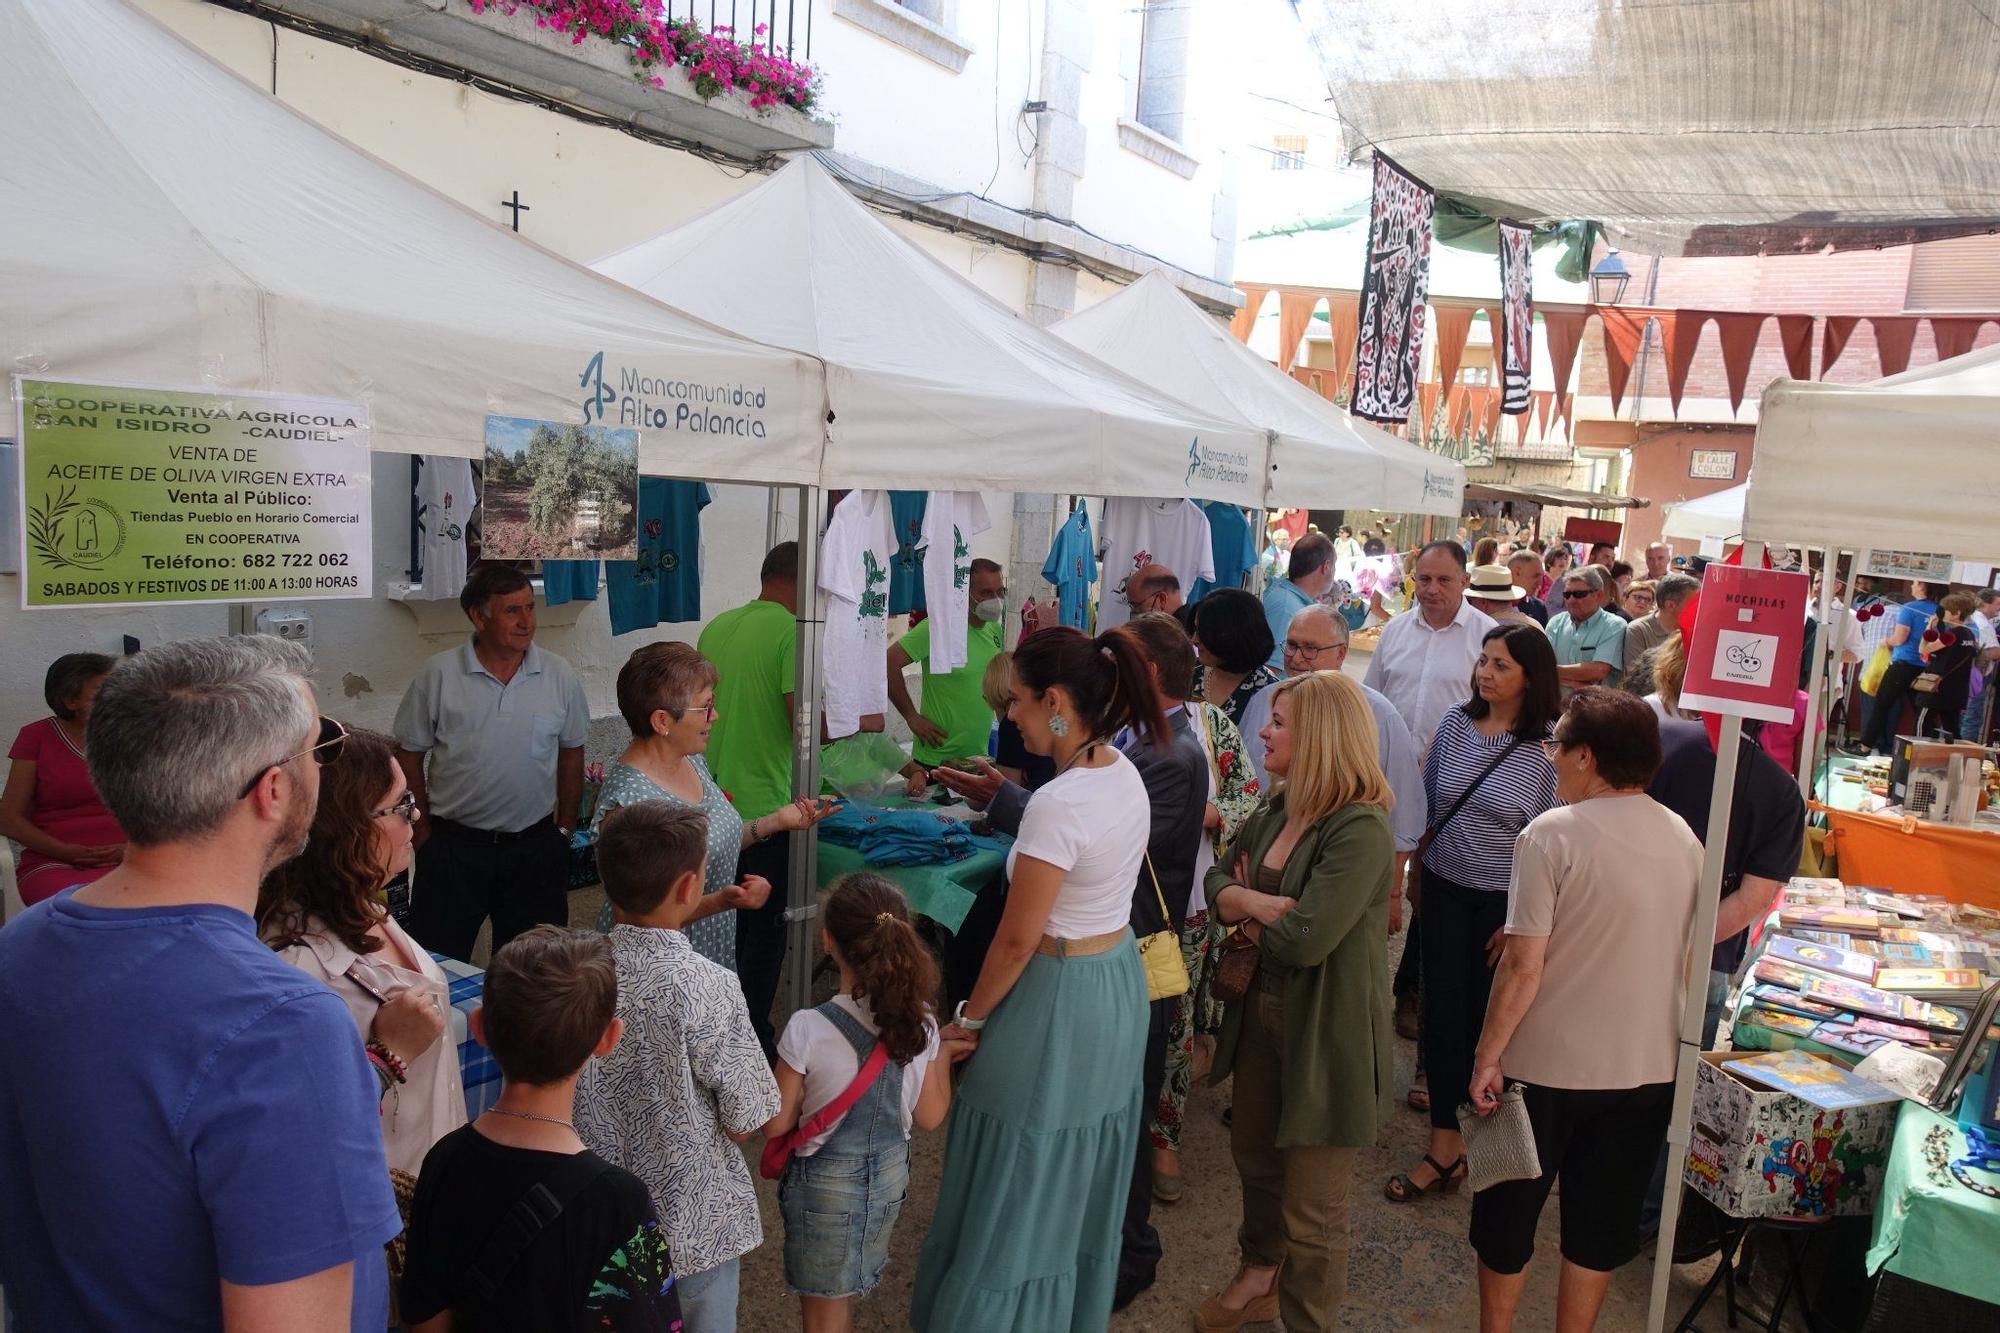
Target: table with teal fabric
{"type": "Point", "coordinates": [943, 893]}
{"type": "Point", "coordinates": [1936, 1232]}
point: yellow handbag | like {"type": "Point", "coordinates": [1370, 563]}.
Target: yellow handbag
{"type": "Point", "coordinates": [1878, 666]}
{"type": "Point", "coordinates": [1160, 953]}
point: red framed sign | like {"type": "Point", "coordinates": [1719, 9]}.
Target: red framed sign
{"type": "Point", "coordinates": [1749, 630]}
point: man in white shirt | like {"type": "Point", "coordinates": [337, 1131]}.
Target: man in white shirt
{"type": "Point", "coordinates": [1659, 561]}
{"type": "Point", "coordinates": [1424, 659]}
{"type": "Point", "coordinates": [1983, 621]}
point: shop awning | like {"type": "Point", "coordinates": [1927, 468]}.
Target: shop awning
{"type": "Point", "coordinates": [933, 384]}
{"type": "Point", "coordinates": [1320, 456]}
{"type": "Point", "coordinates": [1717, 515]}
{"type": "Point", "coordinates": [1682, 125]}
{"type": "Point", "coordinates": [168, 223]}
{"type": "Point", "coordinates": [1553, 495]}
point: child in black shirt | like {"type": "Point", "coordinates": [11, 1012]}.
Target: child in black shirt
{"type": "Point", "coordinates": [515, 1224]}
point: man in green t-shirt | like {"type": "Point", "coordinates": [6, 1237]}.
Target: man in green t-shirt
{"type": "Point", "coordinates": [755, 652]}
{"type": "Point", "coordinates": [954, 720]}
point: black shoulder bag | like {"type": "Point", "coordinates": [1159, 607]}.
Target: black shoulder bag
{"type": "Point", "coordinates": [533, 1213]}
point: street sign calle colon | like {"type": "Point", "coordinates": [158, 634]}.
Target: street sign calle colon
{"type": "Point", "coordinates": [1743, 655]}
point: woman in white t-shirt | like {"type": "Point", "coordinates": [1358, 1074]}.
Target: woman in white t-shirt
{"type": "Point", "coordinates": [1047, 1119]}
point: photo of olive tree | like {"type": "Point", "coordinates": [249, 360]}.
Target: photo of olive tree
{"type": "Point", "coordinates": [559, 491]}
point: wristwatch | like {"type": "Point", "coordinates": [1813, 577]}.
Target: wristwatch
{"type": "Point", "coordinates": [959, 1019]}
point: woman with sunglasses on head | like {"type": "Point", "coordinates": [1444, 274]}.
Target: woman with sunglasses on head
{"type": "Point", "coordinates": [323, 912]}
{"type": "Point", "coordinates": [1485, 779]}
{"type": "Point", "coordinates": [666, 692]}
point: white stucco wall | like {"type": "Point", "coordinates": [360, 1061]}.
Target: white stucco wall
{"type": "Point", "coordinates": [591, 191]}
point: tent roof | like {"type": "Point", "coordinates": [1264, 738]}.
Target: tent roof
{"type": "Point", "coordinates": [169, 223]}
{"type": "Point", "coordinates": [1320, 456]}
{"type": "Point", "coordinates": [932, 383]}
{"type": "Point", "coordinates": [1901, 464]}
{"type": "Point", "coordinates": [1716, 515]}
{"type": "Point", "coordinates": [1687, 125]}
{"type": "Point", "coordinates": [1554, 495]}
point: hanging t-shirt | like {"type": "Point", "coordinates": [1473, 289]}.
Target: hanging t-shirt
{"type": "Point", "coordinates": [1072, 568]}
{"type": "Point", "coordinates": [951, 520]}
{"type": "Point", "coordinates": [569, 581]}
{"type": "Point", "coordinates": [1138, 533]}
{"type": "Point", "coordinates": [663, 584]}
{"type": "Point", "coordinates": [855, 556]}
{"type": "Point", "coordinates": [444, 506]}
{"type": "Point", "coordinates": [906, 575]}
{"type": "Point", "coordinates": [1231, 544]}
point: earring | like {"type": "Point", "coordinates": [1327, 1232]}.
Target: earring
{"type": "Point", "coordinates": [1058, 725]}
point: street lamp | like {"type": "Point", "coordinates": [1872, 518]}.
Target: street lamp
{"type": "Point", "coordinates": [1609, 279]}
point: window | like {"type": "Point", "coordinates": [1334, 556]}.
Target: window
{"type": "Point", "coordinates": [1163, 51]}
{"type": "Point", "coordinates": [1288, 152]}
{"type": "Point", "coordinates": [929, 9]}
{"type": "Point", "coordinates": [1477, 377]}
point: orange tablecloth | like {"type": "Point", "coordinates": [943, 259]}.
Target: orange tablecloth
{"type": "Point", "coordinates": [1906, 856]}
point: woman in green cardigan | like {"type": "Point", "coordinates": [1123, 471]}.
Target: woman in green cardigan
{"type": "Point", "coordinates": [1308, 878]}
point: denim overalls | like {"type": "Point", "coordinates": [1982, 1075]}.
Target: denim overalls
{"type": "Point", "coordinates": [840, 1204]}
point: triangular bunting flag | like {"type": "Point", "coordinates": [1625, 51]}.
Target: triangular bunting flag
{"type": "Point", "coordinates": [1295, 311]}
{"type": "Point", "coordinates": [1839, 328]}
{"type": "Point", "coordinates": [1565, 334]}
{"type": "Point", "coordinates": [1739, 335]}
{"type": "Point", "coordinates": [1543, 398]}
{"type": "Point", "coordinates": [1245, 320]}
{"type": "Point", "coordinates": [1453, 324]}
{"type": "Point", "coordinates": [1680, 334]}
{"type": "Point", "coordinates": [1796, 331]}
{"type": "Point", "coordinates": [1344, 319]}
{"type": "Point", "coordinates": [1893, 338]}
{"type": "Point", "coordinates": [1955, 337]}
{"type": "Point", "coordinates": [1622, 327]}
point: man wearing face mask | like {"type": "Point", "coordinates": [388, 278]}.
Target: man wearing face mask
{"type": "Point", "coordinates": [954, 720]}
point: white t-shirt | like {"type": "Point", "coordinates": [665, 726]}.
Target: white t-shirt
{"type": "Point", "coordinates": [445, 500]}
{"type": "Point", "coordinates": [1092, 823]}
{"type": "Point", "coordinates": [951, 520]}
{"type": "Point", "coordinates": [812, 1045]}
{"type": "Point", "coordinates": [1137, 533]}
{"type": "Point", "coordinates": [854, 573]}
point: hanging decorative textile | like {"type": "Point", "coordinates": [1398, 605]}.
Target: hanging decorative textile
{"type": "Point", "coordinates": [1295, 312]}
{"type": "Point", "coordinates": [1458, 410]}
{"type": "Point", "coordinates": [1490, 402]}
{"type": "Point", "coordinates": [1393, 295]}
{"type": "Point", "coordinates": [1955, 336]}
{"type": "Point", "coordinates": [1795, 332]}
{"type": "Point", "coordinates": [1565, 333]}
{"type": "Point", "coordinates": [1542, 400]}
{"type": "Point", "coordinates": [1622, 327]}
{"type": "Point", "coordinates": [1739, 334]}
{"type": "Point", "coordinates": [1839, 328]}
{"type": "Point", "coordinates": [1427, 406]}
{"type": "Point", "coordinates": [1343, 311]}
{"type": "Point", "coordinates": [1453, 324]}
{"type": "Point", "coordinates": [1893, 338]}
{"type": "Point", "coordinates": [1521, 421]}
{"type": "Point", "coordinates": [1517, 314]}
{"type": "Point", "coordinates": [1244, 320]}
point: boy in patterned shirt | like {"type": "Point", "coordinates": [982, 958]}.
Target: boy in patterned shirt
{"type": "Point", "coordinates": [688, 1081]}
{"type": "Point", "coordinates": [515, 1223]}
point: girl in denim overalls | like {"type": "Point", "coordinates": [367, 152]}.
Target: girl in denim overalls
{"type": "Point", "coordinates": [840, 1196]}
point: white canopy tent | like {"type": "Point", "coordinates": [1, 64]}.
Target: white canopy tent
{"type": "Point", "coordinates": [1893, 465]}
{"type": "Point", "coordinates": [168, 223]}
{"type": "Point", "coordinates": [1717, 515]}
{"type": "Point", "coordinates": [1320, 456]}
{"type": "Point", "coordinates": [932, 384]}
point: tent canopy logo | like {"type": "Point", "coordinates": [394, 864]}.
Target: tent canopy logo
{"type": "Point", "coordinates": [658, 403]}
{"type": "Point", "coordinates": [1230, 467]}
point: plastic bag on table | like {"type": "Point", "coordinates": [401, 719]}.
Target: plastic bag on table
{"type": "Point", "coordinates": [862, 767]}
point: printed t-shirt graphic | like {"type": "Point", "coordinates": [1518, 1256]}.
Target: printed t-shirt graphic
{"type": "Point", "coordinates": [855, 556]}
{"type": "Point", "coordinates": [906, 575]}
{"type": "Point", "coordinates": [1138, 533]}
{"type": "Point", "coordinates": [952, 519]}
{"type": "Point", "coordinates": [662, 585]}
{"type": "Point", "coordinates": [1072, 568]}
{"type": "Point", "coordinates": [445, 500]}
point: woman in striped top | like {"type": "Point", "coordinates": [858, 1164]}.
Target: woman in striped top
{"type": "Point", "coordinates": [1486, 778]}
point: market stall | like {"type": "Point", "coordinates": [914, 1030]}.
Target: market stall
{"type": "Point", "coordinates": [1321, 457]}
{"type": "Point", "coordinates": [1718, 516]}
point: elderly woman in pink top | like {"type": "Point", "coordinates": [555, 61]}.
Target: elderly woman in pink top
{"type": "Point", "coordinates": [49, 804]}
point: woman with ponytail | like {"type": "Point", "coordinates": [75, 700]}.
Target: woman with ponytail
{"type": "Point", "coordinates": [1046, 1126]}
{"type": "Point", "coordinates": [844, 1186]}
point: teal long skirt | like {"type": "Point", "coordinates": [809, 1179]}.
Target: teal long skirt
{"type": "Point", "coordinates": [1038, 1156]}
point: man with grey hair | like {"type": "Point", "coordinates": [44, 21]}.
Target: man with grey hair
{"type": "Point", "coordinates": [1525, 568]}
{"type": "Point", "coordinates": [1642, 636]}
{"type": "Point", "coordinates": [1659, 561]}
{"type": "Point", "coordinates": [1589, 641]}
{"type": "Point", "coordinates": [167, 1082]}
{"type": "Point", "coordinates": [490, 736]}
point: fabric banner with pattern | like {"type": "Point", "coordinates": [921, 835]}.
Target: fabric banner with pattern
{"type": "Point", "coordinates": [1517, 314]}
{"type": "Point", "coordinates": [1393, 295]}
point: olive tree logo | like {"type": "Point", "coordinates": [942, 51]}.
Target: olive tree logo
{"type": "Point", "coordinates": [67, 533]}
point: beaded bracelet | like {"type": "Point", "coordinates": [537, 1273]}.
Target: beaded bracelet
{"type": "Point", "coordinates": [389, 1062]}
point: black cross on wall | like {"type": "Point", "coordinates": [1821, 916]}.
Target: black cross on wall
{"type": "Point", "coordinates": [518, 208]}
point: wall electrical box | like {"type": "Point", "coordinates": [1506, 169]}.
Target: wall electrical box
{"type": "Point", "coordinates": [287, 622]}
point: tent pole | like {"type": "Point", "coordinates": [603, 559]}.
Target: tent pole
{"type": "Point", "coordinates": [1701, 942]}
{"type": "Point", "coordinates": [802, 892]}
{"type": "Point", "coordinates": [1823, 640]}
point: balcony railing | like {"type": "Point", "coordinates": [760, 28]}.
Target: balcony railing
{"type": "Point", "coordinates": [788, 23]}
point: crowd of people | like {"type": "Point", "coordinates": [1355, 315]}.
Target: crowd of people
{"type": "Point", "coordinates": [229, 1097]}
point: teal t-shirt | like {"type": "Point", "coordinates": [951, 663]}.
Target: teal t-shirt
{"type": "Point", "coordinates": [954, 700]}
{"type": "Point", "coordinates": [755, 650]}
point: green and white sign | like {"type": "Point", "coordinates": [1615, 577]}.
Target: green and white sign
{"type": "Point", "coordinates": [144, 496]}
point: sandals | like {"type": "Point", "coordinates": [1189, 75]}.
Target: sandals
{"type": "Point", "coordinates": [1419, 1099]}
{"type": "Point", "coordinates": [1214, 1317]}
{"type": "Point", "coordinates": [1402, 1189]}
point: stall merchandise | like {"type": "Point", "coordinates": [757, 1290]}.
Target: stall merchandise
{"type": "Point", "coordinates": [1232, 545]}
{"type": "Point", "coordinates": [906, 576]}
{"type": "Point", "coordinates": [444, 509]}
{"type": "Point", "coordinates": [662, 585]}
{"type": "Point", "coordinates": [1071, 568]}
{"type": "Point", "coordinates": [951, 520]}
{"type": "Point", "coordinates": [856, 553]}
{"type": "Point", "coordinates": [1930, 1225]}
{"type": "Point", "coordinates": [1137, 533]}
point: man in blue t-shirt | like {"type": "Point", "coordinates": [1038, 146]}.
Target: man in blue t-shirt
{"type": "Point", "coordinates": [1914, 619]}
{"type": "Point", "coordinates": [189, 1127]}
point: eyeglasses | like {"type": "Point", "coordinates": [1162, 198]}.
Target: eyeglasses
{"type": "Point", "coordinates": [406, 807]}
{"type": "Point", "coordinates": [1309, 652]}
{"type": "Point", "coordinates": [332, 740]}
{"type": "Point", "coordinates": [1552, 748]}
{"type": "Point", "coordinates": [706, 712]}
{"type": "Point", "coordinates": [1571, 594]}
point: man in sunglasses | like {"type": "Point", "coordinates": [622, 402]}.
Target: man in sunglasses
{"type": "Point", "coordinates": [165, 1078]}
{"type": "Point", "coordinates": [1589, 641]}
{"type": "Point", "coordinates": [502, 724]}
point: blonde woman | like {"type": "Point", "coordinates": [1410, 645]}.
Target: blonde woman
{"type": "Point", "coordinates": [1308, 880]}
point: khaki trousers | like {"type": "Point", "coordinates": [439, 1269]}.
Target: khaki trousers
{"type": "Point", "coordinates": [1294, 1199]}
